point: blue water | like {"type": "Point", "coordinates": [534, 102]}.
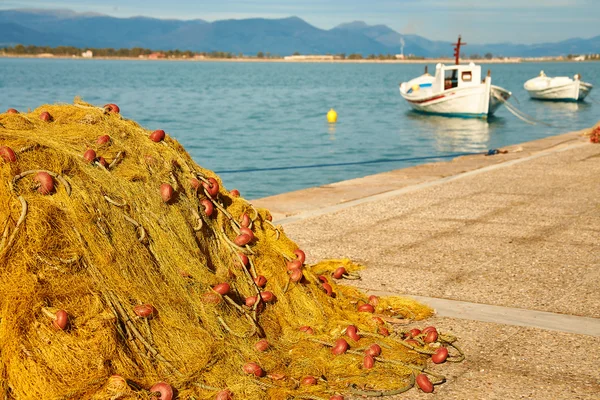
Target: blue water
{"type": "Point", "coordinates": [259, 115]}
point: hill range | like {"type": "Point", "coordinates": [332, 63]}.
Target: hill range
{"type": "Point", "coordinates": [248, 36]}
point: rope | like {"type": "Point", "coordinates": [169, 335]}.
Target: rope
{"type": "Point", "coordinates": [518, 113]}
{"type": "Point", "coordinates": [378, 161]}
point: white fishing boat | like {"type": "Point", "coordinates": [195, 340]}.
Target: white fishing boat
{"type": "Point", "coordinates": [560, 88]}
{"type": "Point", "coordinates": [455, 90]}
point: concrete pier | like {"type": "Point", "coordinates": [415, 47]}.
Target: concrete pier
{"type": "Point", "coordinates": [506, 248]}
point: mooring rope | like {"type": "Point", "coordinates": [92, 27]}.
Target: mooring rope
{"type": "Point", "coordinates": [518, 113]}
{"type": "Point", "coordinates": [341, 164]}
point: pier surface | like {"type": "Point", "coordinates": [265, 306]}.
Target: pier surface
{"type": "Point", "coordinates": [506, 248]}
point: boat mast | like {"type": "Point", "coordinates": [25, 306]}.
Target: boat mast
{"type": "Point", "coordinates": [457, 49]}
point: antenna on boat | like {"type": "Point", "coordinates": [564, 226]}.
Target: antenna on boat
{"type": "Point", "coordinates": [457, 49]}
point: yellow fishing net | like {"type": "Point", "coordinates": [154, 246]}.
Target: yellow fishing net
{"type": "Point", "coordinates": [128, 272]}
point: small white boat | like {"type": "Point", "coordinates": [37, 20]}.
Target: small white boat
{"type": "Point", "coordinates": [455, 90]}
{"type": "Point", "coordinates": [560, 88]}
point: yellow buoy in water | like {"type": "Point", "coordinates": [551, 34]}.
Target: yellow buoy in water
{"type": "Point", "coordinates": [331, 116]}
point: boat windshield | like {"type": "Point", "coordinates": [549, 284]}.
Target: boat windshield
{"type": "Point", "coordinates": [450, 79]}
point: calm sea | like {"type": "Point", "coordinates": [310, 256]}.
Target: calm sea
{"type": "Point", "coordinates": [236, 116]}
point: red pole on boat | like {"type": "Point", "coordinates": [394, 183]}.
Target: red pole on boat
{"type": "Point", "coordinates": [457, 49]}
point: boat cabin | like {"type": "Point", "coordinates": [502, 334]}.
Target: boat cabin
{"type": "Point", "coordinates": [456, 76]}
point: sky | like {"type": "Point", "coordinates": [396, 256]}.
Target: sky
{"type": "Point", "coordinates": [481, 21]}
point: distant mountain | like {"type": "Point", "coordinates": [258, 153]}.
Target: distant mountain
{"type": "Point", "coordinates": [570, 46]}
{"type": "Point", "coordinates": [421, 46]}
{"type": "Point", "coordinates": [14, 33]}
{"type": "Point", "coordinates": [249, 36]}
{"type": "Point", "coordinates": [277, 36]}
{"type": "Point", "coordinates": [94, 30]}
{"type": "Point", "coordinates": [386, 36]}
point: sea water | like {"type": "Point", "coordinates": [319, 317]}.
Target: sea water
{"type": "Point", "coordinates": [255, 115]}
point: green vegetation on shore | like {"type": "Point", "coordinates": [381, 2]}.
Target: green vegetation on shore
{"type": "Point", "coordinates": [143, 53]}
{"type": "Point", "coordinates": [103, 52]}
{"type": "Point", "coordinates": [139, 52]}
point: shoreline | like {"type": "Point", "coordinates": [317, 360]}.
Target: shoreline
{"type": "Point", "coordinates": [281, 60]}
{"type": "Point", "coordinates": [291, 206]}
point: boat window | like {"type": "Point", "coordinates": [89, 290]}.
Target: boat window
{"type": "Point", "coordinates": [466, 76]}
{"type": "Point", "coordinates": [450, 79]}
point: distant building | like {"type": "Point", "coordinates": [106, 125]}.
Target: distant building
{"type": "Point", "coordinates": [400, 56]}
{"type": "Point", "coordinates": [310, 58]}
{"type": "Point", "coordinates": [87, 54]}
{"type": "Point", "coordinates": [579, 58]}
{"type": "Point", "coordinates": [156, 56]}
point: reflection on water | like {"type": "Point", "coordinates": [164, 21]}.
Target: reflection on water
{"type": "Point", "coordinates": [564, 106]}
{"type": "Point", "coordinates": [331, 130]}
{"type": "Point", "coordinates": [456, 134]}
{"type": "Point", "coordinates": [558, 113]}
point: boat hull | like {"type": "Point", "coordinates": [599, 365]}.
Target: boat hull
{"type": "Point", "coordinates": [469, 102]}
{"type": "Point", "coordinates": [571, 91]}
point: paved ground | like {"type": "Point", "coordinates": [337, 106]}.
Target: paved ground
{"type": "Point", "coordinates": [519, 232]}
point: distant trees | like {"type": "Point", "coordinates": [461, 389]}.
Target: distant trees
{"type": "Point", "coordinates": [387, 56]}
{"type": "Point", "coordinates": [33, 50]}
{"type": "Point", "coordinates": [140, 52]}
{"type": "Point", "coordinates": [135, 52]}
{"type": "Point", "coordinates": [219, 54]}
{"type": "Point", "coordinates": [74, 51]}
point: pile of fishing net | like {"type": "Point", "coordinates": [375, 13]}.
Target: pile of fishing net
{"type": "Point", "coordinates": [594, 134]}
{"type": "Point", "coordinates": [127, 271]}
